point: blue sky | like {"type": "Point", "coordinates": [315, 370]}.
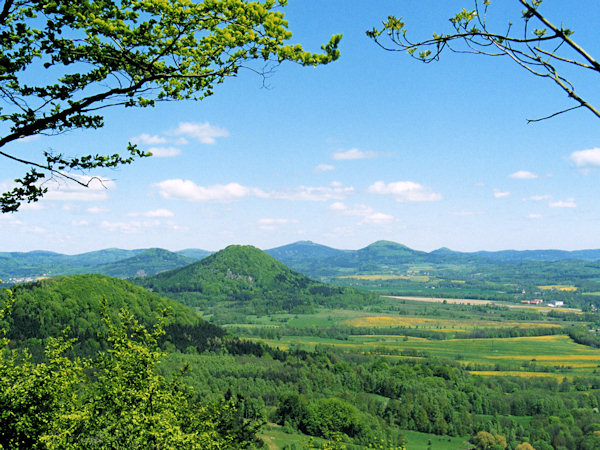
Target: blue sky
{"type": "Point", "coordinates": [374, 146]}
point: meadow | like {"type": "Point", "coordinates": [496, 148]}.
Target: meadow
{"type": "Point", "coordinates": [415, 329]}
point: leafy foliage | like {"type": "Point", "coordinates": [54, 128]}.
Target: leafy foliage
{"type": "Point", "coordinates": [543, 49]}
{"type": "Point", "coordinates": [116, 400]}
{"type": "Point", "coordinates": [132, 53]}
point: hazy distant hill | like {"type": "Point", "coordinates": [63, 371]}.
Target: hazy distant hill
{"type": "Point", "coordinates": [302, 251]}
{"type": "Point", "coordinates": [147, 262]}
{"type": "Point", "coordinates": [246, 278]}
{"type": "Point", "coordinates": [194, 253]}
{"type": "Point", "coordinates": [45, 308]}
{"type": "Point", "coordinates": [113, 261]}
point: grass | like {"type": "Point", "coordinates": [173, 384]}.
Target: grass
{"type": "Point", "coordinates": [525, 356]}
{"type": "Point", "coordinates": [424, 441]}
{"type": "Point", "coordinates": [275, 438]}
{"type": "Point", "coordinates": [554, 355]}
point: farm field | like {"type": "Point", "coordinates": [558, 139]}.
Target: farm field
{"type": "Point", "coordinates": [428, 330]}
{"type": "Point", "coordinates": [555, 356]}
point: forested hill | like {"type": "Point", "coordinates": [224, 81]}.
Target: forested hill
{"type": "Point", "coordinates": [248, 279]}
{"type": "Point", "coordinates": [47, 307]}
{"type": "Point", "coordinates": [14, 266]}
{"type": "Point", "coordinates": [148, 262]}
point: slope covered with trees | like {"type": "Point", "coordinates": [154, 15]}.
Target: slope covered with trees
{"type": "Point", "coordinates": [44, 309]}
{"type": "Point", "coordinates": [248, 279]}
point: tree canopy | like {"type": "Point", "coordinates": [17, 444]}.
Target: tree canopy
{"type": "Point", "coordinates": [542, 48]}
{"type": "Point", "coordinates": [62, 63]}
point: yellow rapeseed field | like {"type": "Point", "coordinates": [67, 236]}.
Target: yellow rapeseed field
{"type": "Point", "coordinates": [514, 373]}
{"type": "Point", "coordinates": [558, 287]}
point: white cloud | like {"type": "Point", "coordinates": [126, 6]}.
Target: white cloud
{"type": "Point", "coordinates": [190, 191]}
{"type": "Point", "coordinates": [368, 214]}
{"type": "Point", "coordinates": [154, 213]}
{"type": "Point", "coordinates": [96, 189]}
{"type": "Point", "coordinates": [33, 206]}
{"type": "Point", "coordinates": [34, 229]}
{"type": "Point", "coordinates": [147, 139]}
{"type": "Point", "coordinates": [96, 210]}
{"type": "Point", "coordinates": [204, 133]}
{"type": "Point", "coordinates": [29, 138]}
{"type": "Point", "coordinates": [539, 198]}
{"type": "Point", "coordinates": [335, 191]}
{"type": "Point", "coordinates": [461, 213]}
{"type": "Point", "coordinates": [271, 224]}
{"type": "Point", "coordinates": [405, 191]}
{"type": "Point", "coordinates": [80, 223]}
{"type": "Point", "coordinates": [324, 168]}
{"type": "Point", "coordinates": [534, 216]}
{"type": "Point", "coordinates": [164, 152]}
{"type": "Point", "coordinates": [353, 153]}
{"type": "Point", "coordinates": [500, 194]}
{"type": "Point", "coordinates": [569, 203]}
{"type": "Point", "coordinates": [132, 227]}
{"type": "Point", "coordinates": [121, 227]}
{"type": "Point", "coordinates": [586, 158]}
{"type": "Point", "coordinates": [523, 175]}
{"type": "Point", "coordinates": [275, 221]}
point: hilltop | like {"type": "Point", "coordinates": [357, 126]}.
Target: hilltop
{"type": "Point", "coordinates": [47, 307]}
{"type": "Point", "coordinates": [244, 278]}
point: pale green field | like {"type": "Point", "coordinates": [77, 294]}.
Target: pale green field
{"type": "Point", "coordinates": [558, 354]}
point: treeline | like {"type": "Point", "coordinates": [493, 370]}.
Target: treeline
{"type": "Point", "coordinates": [584, 336]}
{"type": "Point", "coordinates": [344, 332]}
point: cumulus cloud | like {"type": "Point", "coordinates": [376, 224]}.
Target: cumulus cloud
{"type": "Point", "coordinates": [153, 213]}
{"type": "Point", "coordinates": [271, 224]}
{"type": "Point", "coordinates": [500, 194]}
{"type": "Point", "coordinates": [96, 189]}
{"type": "Point", "coordinates": [523, 175]}
{"type": "Point", "coordinates": [405, 191]}
{"type": "Point", "coordinates": [335, 191]}
{"type": "Point", "coordinates": [147, 139]}
{"type": "Point", "coordinates": [33, 206]}
{"type": "Point", "coordinates": [26, 139]}
{"type": "Point", "coordinates": [324, 168]}
{"type": "Point", "coordinates": [461, 213]}
{"type": "Point", "coordinates": [539, 198]}
{"type": "Point", "coordinates": [164, 152]}
{"type": "Point", "coordinates": [190, 191]}
{"type": "Point", "coordinates": [353, 153]}
{"type": "Point", "coordinates": [96, 210]}
{"type": "Point", "coordinates": [586, 158]}
{"type": "Point", "coordinates": [569, 203]}
{"type": "Point", "coordinates": [204, 133]}
{"type": "Point", "coordinates": [368, 214]}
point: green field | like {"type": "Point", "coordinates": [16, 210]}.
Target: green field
{"type": "Point", "coordinates": [364, 331]}
{"type": "Point", "coordinates": [275, 438]}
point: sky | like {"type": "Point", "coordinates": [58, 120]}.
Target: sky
{"type": "Point", "coordinates": [373, 146]}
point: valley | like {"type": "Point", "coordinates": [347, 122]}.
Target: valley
{"type": "Point", "coordinates": [352, 359]}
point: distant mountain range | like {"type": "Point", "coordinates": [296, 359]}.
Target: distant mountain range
{"type": "Point", "coordinates": [381, 256]}
{"type": "Point", "coordinates": [304, 256]}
